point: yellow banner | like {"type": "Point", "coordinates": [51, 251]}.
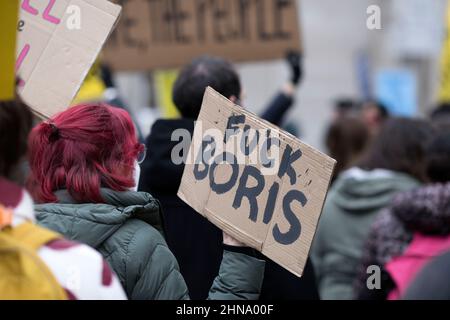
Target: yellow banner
{"type": "Point", "coordinates": [164, 81]}
{"type": "Point", "coordinates": [9, 16]}
{"type": "Point", "coordinates": [444, 91]}
{"type": "Point", "coordinates": [93, 87]}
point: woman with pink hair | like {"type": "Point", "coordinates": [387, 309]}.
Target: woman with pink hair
{"type": "Point", "coordinates": [84, 163]}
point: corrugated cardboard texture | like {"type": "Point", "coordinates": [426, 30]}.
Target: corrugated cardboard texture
{"type": "Point", "coordinates": [53, 59]}
{"type": "Point", "coordinates": [159, 34]}
{"type": "Point", "coordinates": [9, 11]}
{"type": "Point", "coordinates": [313, 171]}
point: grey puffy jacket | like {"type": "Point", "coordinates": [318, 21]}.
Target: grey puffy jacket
{"type": "Point", "coordinates": [126, 230]}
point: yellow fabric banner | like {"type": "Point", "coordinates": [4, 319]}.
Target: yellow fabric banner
{"type": "Point", "coordinates": [444, 91]}
{"type": "Point", "coordinates": [164, 81]}
{"type": "Point", "coordinates": [9, 12]}
{"type": "Point", "coordinates": [93, 87]}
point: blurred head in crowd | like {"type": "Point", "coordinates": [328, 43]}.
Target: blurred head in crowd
{"type": "Point", "coordinates": [438, 158]}
{"type": "Point", "coordinates": [15, 124]}
{"type": "Point", "coordinates": [374, 114]}
{"type": "Point", "coordinates": [346, 140]}
{"type": "Point", "coordinates": [83, 149]}
{"type": "Point", "coordinates": [205, 71]}
{"type": "Point", "coordinates": [440, 116]}
{"type": "Point", "coordinates": [400, 146]}
{"type": "Point", "coordinates": [344, 107]}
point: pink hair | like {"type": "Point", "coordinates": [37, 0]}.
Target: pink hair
{"type": "Point", "coordinates": [83, 149]}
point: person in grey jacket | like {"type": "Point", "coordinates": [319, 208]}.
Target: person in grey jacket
{"type": "Point", "coordinates": [393, 163]}
{"type": "Point", "coordinates": [84, 163]}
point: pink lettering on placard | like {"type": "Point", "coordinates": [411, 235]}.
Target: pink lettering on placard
{"type": "Point", "coordinates": [47, 16]}
{"type": "Point", "coordinates": [28, 8]}
{"type": "Point", "coordinates": [23, 54]}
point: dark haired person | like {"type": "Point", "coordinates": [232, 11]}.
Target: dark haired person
{"type": "Point", "coordinates": [16, 121]}
{"type": "Point", "coordinates": [58, 255]}
{"type": "Point", "coordinates": [84, 170]}
{"type": "Point", "coordinates": [346, 140]}
{"type": "Point", "coordinates": [374, 114]}
{"type": "Point", "coordinates": [345, 107]}
{"type": "Point", "coordinates": [194, 240]}
{"type": "Point", "coordinates": [413, 230]}
{"type": "Point", "coordinates": [394, 162]}
{"type": "Point", "coordinates": [440, 116]}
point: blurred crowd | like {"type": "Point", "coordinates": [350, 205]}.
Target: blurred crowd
{"type": "Point", "coordinates": [97, 204]}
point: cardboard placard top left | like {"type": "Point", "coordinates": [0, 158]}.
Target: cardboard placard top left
{"type": "Point", "coordinates": [58, 41]}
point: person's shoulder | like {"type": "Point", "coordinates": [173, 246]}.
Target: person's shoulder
{"type": "Point", "coordinates": [150, 262]}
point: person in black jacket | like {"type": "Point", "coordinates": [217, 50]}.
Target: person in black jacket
{"type": "Point", "coordinates": [195, 241]}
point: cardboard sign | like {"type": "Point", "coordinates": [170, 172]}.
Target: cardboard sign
{"type": "Point", "coordinates": [9, 11]}
{"type": "Point", "coordinates": [257, 183]}
{"type": "Point", "coordinates": [160, 34]}
{"type": "Point", "coordinates": [58, 43]}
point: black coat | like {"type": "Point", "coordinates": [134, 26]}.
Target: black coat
{"type": "Point", "coordinates": [195, 242]}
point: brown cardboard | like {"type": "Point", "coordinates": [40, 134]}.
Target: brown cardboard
{"type": "Point", "coordinates": [313, 171]}
{"type": "Point", "coordinates": [53, 59]}
{"type": "Point", "coordinates": [159, 34]}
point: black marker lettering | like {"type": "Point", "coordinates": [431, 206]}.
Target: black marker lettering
{"type": "Point", "coordinates": [281, 5]}
{"type": "Point", "coordinates": [204, 157]}
{"type": "Point", "coordinates": [251, 193]}
{"type": "Point", "coordinates": [227, 186]}
{"type": "Point", "coordinates": [246, 147]}
{"type": "Point", "coordinates": [286, 164]}
{"type": "Point", "coordinates": [232, 128]}
{"type": "Point", "coordinates": [271, 201]}
{"type": "Point", "coordinates": [296, 228]}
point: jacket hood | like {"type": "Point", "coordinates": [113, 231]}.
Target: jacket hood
{"type": "Point", "coordinates": [425, 210]}
{"type": "Point", "coordinates": [91, 223]}
{"type": "Point", "coordinates": [159, 173]}
{"type": "Point", "coordinates": [360, 191]}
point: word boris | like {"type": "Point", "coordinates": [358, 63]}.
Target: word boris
{"type": "Point", "coordinates": [251, 182]}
